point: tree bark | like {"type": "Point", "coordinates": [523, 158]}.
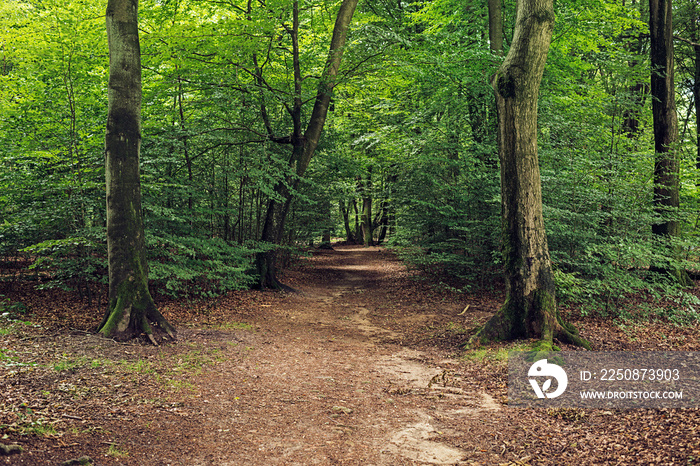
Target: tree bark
{"type": "Point", "coordinates": [303, 145]}
{"type": "Point", "coordinates": [495, 26]}
{"type": "Point", "coordinates": [666, 164]}
{"type": "Point", "coordinates": [383, 221]}
{"type": "Point", "coordinates": [696, 95]}
{"type": "Point", "coordinates": [345, 212]}
{"type": "Point", "coordinates": [530, 309]}
{"type": "Point", "coordinates": [695, 36]}
{"type": "Point", "coordinates": [131, 311]}
{"type": "Point", "coordinates": [639, 90]}
{"type": "Point", "coordinates": [366, 225]}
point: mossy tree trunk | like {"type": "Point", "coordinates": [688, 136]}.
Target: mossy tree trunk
{"type": "Point", "coordinates": [304, 142]}
{"type": "Point", "coordinates": [666, 164]}
{"type": "Point", "coordinates": [530, 309]}
{"type": "Point", "coordinates": [131, 310]}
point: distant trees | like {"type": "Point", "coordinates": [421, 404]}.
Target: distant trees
{"type": "Point", "coordinates": [304, 141]}
{"type": "Point", "coordinates": [667, 159]}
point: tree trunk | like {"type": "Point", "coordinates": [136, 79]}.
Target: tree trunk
{"type": "Point", "coordinates": [131, 310]}
{"type": "Point", "coordinates": [345, 212]}
{"type": "Point", "coordinates": [366, 221]}
{"type": "Point", "coordinates": [696, 94]}
{"type": "Point", "coordinates": [495, 26]}
{"type": "Point", "coordinates": [530, 309]}
{"type": "Point", "coordinates": [366, 225]}
{"type": "Point", "coordinates": [695, 31]}
{"type": "Point", "coordinates": [303, 145]}
{"type": "Point", "coordinates": [358, 231]}
{"type": "Point", "coordinates": [383, 222]}
{"type": "Point", "coordinates": [326, 234]}
{"type": "Point", "coordinates": [666, 165]}
{"type": "Point", "coordinates": [638, 91]}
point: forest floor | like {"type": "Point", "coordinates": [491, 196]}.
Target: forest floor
{"type": "Point", "coordinates": [362, 366]}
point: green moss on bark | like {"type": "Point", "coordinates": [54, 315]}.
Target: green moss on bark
{"type": "Point", "coordinates": [537, 317]}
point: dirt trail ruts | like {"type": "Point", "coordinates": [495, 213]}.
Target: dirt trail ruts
{"type": "Point", "coordinates": [360, 367]}
{"type": "Point", "coordinates": [326, 383]}
{"type": "Point", "coordinates": [356, 368]}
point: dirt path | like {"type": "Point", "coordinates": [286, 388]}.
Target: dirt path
{"type": "Point", "coordinates": [360, 367]}
{"type": "Point", "coordinates": [329, 384]}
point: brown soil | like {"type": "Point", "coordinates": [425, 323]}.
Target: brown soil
{"type": "Point", "coordinates": [360, 367]}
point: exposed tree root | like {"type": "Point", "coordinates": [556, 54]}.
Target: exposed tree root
{"type": "Point", "coordinates": [268, 277]}
{"type": "Point", "coordinates": [537, 318]}
{"type": "Point", "coordinates": [123, 323]}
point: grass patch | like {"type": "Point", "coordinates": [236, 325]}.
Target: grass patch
{"type": "Point", "coordinates": [235, 326]}
{"type": "Point", "coordinates": [115, 452]}
{"type": "Point", "coordinates": [456, 328]}
{"type": "Point", "coordinates": [41, 428]}
{"type": "Point", "coordinates": [70, 365]}
{"type": "Point", "coordinates": [7, 359]}
{"type": "Point", "coordinates": [495, 354]}
{"type": "Point", "coordinates": [180, 385]}
{"type": "Point", "coordinates": [10, 326]}
{"type": "Point", "coordinates": [139, 367]}
{"type": "Point", "coordinates": [487, 354]}
{"type": "Point", "coordinates": [193, 362]}
{"type": "Point", "coordinates": [28, 424]}
{"type": "Point", "coordinates": [97, 363]}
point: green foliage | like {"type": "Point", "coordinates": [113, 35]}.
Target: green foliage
{"type": "Point", "coordinates": [411, 128]}
{"type": "Point", "coordinates": [11, 310]}
{"type": "Point", "coordinates": [116, 452]}
{"type": "Point", "coordinates": [597, 161]}
{"type": "Point", "coordinates": [681, 308]}
{"type": "Point", "coordinates": [196, 267]}
{"type": "Point", "coordinates": [446, 226]}
{"type": "Point", "coordinates": [72, 263]}
{"type": "Point", "coordinates": [426, 131]}
{"type": "Point", "coordinates": [70, 365]}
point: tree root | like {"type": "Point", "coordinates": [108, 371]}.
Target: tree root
{"type": "Point", "coordinates": [503, 326]}
{"type": "Point", "coordinates": [566, 336]}
{"type": "Point", "coordinates": [128, 322]}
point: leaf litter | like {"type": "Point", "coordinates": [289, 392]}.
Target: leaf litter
{"type": "Point", "coordinates": [361, 366]}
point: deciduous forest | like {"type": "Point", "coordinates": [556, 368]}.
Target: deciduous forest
{"type": "Point", "coordinates": [310, 231]}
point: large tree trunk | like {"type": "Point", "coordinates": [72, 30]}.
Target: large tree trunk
{"type": "Point", "coordinates": [666, 166]}
{"type": "Point", "coordinates": [131, 310]}
{"type": "Point", "coordinates": [303, 145]}
{"type": "Point", "coordinates": [639, 90]}
{"type": "Point", "coordinates": [530, 309]}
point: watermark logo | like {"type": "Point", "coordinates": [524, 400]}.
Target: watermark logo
{"type": "Point", "coordinates": [542, 368]}
{"type": "Point", "coordinates": [604, 379]}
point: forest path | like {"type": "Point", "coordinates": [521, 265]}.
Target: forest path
{"type": "Point", "coordinates": [328, 380]}
{"type": "Point", "coordinates": [360, 367]}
